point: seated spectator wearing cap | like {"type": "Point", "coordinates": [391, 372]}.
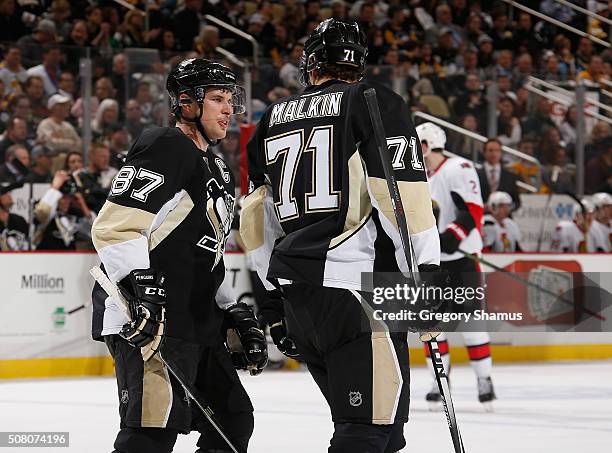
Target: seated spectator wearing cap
{"type": "Point", "coordinates": [16, 166]}
{"type": "Point", "coordinates": [42, 159]}
{"type": "Point", "coordinates": [16, 133]}
{"type": "Point", "coordinates": [13, 74]}
{"type": "Point", "coordinates": [55, 132]}
{"type": "Point", "coordinates": [62, 216]}
{"type": "Point", "coordinates": [49, 70]}
{"type": "Point", "coordinates": [96, 179]}
{"type": "Point", "coordinates": [32, 45]}
{"type": "Point", "coordinates": [13, 228]}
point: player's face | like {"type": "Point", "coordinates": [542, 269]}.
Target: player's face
{"type": "Point", "coordinates": [503, 210]}
{"type": "Point", "coordinates": [217, 112]}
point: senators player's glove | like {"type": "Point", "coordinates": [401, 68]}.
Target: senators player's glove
{"type": "Point", "coordinates": [249, 351]}
{"type": "Point", "coordinates": [145, 293]}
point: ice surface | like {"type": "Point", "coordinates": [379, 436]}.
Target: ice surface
{"type": "Point", "coordinates": [556, 408]}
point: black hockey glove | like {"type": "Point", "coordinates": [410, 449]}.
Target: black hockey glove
{"type": "Point", "coordinates": [272, 315]}
{"type": "Point", "coordinates": [250, 351]}
{"type": "Point", "coordinates": [286, 345]}
{"type": "Point", "coordinates": [449, 243]}
{"type": "Point", "coordinates": [433, 276]}
{"type": "Point", "coordinates": [144, 291]}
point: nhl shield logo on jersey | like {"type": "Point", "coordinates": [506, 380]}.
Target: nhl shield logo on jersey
{"type": "Point", "coordinates": [355, 399]}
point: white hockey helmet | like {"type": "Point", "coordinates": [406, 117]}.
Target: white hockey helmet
{"type": "Point", "coordinates": [497, 198]}
{"type": "Point", "coordinates": [587, 204]}
{"type": "Point", "coordinates": [602, 199]}
{"type": "Point", "coordinates": [432, 134]}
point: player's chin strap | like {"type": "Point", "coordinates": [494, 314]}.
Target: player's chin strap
{"type": "Point", "coordinates": [198, 123]}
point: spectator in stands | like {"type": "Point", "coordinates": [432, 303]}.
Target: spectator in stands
{"type": "Point", "coordinates": [16, 133]}
{"type": "Point", "coordinates": [97, 178]}
{"type": "Point", "coordinates": [460, 11]}
{"type": "Point", "coordinates": [527, 171]}
{"type": "Point", "coordinates": [67, 85]}
{"type": "Point", "coordinates": [93, 20]}
{"type": "Point", "coordinates": [107, 115]}
{"type": "Point", "coordinates": [522, 70]}
{"type": "Point", "coordinates": [508, 125]}
{"type": "Point", "coordinates": [11, 23]}
{"type": "Point", "coordinates": [395, 30]}
{"type": "Point", "coordinates": [19, 106]}
{"type": "Point", "coordinates": [493, 176]}
{"type": "Point", "coordinates": [473, 29]}
{"type": "Point", "coordinates": [539, 119]}
{"type": "Point", "coordinates": [598, 173]}
{"type": "Point", "coordinates": [472, 101]}
{"type": "Point", "coordinates": [59, 14]}
{"type": "Point", "coordinates": [568, 127]}
{"type": "Point", "coordinates": [145, 100]}
{"type": "Point", "coordinates": [486, 59]}
{"type": "Point", "coordinates": [557, 175]}
{"type": "Point", "coordinates": [504, 86]}
{"type": "Point", "coordinates": [35, 91]}
{"type": "Point", "coordinates": [231, 13]}
{"type": "Point", "coordinates": [132, 33]}
{"type": "Point", "coordinates": [73, 162]}
{"type": "Point", "coordinates": [49, 69]}
{"type": "Point", "coordinates": [552, 70]}
{"type": "Point", "coordinates": [166, 44]}
{"type": "Point", "coordinates": [504, 63]}
{"type": "Point", "coordinates": [583, 54]}
{"type": "Point", "coordinates": [502, 35]}
{"type": "Point", "coordinates": [55, 132]}
{"type": "Point", "coordinates": [103, 89]}
{"type": "Point", "coordinates": [13, 228]}
{"type": "Point", "coordinates": [293, 19]}
{"type": "Point", "coordinates": [119, 77]}
{"type": "Point", "coordinates": [42, 158]}
{"type": "Point", "coordinates": [339, 10]}
{"type": "Point", "coordinates": [134, 121]}
{"type": "Point", "coordinates": [119, 145]}
{"type": "Point", "coordinates": [187, 24]}
{"type": "Point", "coordinates": [567, 62]}
{"type": "Point", "coordinates": [444, 21]}
{"type": "Point", "coordinates": [599, 140]}
{"type": "Point", "coordinates": [16, 166]}
{"type": "Point", "coordinates": [290, 73]}
{"type": "Point", "coordinates": [446, 52]}
{"type": "Point", "coordinates": [550, 140]}
{"type": "Point", "coordinates": [465, 146]}
{"type": "Point", "coordinates": [524, 38]}
{"type": "Point", "coordinates": [62, 216]}
{"type": "Point", "coordinates": [430, 65]}
{"type": "Point", "coordinates": [12, 73]}
{"type": "Point", "coordinates": [207, 42]}
{"type": "Point", "coordinates": [32, 45]}
{"type": "Point", "coordinates": [75, 45]}
{"type": "Point", "coordinates": [594, 72]}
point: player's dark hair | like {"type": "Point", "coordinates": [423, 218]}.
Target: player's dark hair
{"type": "Point", "coordinates": [492, 140]}
{"type": "Point", "coordinates": [340, 72]}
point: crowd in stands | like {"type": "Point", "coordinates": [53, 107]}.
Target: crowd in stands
{"type": "Point", "coordinates": [441, 55]}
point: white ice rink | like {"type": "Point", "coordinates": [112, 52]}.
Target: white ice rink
{"type": "Point", "coordinates": [556, 408]}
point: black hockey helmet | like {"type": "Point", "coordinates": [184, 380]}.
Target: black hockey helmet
{"type": "Point", "coordinates": [195, 75]}
{"type": "Point", "coordinates": [334, 42]}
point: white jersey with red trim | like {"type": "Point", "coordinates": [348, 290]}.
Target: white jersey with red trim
{"type": "Point", "coordinates": [504, 236]}
{"type": "Point", "coordinates": [568, 237]}
{"type": "Point", "coordinates": [455, 174]}
{"type": "Point", "coordinates": [599, 237]}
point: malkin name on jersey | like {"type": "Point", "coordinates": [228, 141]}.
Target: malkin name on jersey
{"type": "Point", "coordinates": [307, 107]}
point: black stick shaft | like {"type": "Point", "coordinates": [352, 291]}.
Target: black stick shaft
{"type": "Point", "coordinates": [402, 225]}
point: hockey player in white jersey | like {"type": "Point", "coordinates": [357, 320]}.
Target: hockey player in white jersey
{"type": "Point", "coordinates": [572, 236]}
{"type": "Point", "coordinates": [600, 231]}
{"type": "Point", "coordinates": [499, 232]}
{"type": "Point", "coordinates": [455, 193]}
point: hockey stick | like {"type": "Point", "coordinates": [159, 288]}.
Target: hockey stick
{"type": "Point", "coordinates": [400, 217]}
{"type": "Point", "coordinates": [190, 391]}
{"type": "Point", "coordinates": [527, 283]}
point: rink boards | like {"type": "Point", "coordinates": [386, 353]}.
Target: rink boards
{"type": "Point", "coordinates": [38, 338]}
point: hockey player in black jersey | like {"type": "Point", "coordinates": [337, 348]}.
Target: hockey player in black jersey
{"type": "Point", "coordinates": [161, 236]}
{"type": "Point", "coordinates": [319, 214]}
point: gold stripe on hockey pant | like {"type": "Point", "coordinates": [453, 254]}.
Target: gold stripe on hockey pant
{"type": "Point", "coordinates": [252, 219]}
{"type": "Point", "coordinates": [415, 198]}
{"type": "Point", "coordinates": [359, 206]}
{"type": "Point", "coordinates": [387, 378]}
{"type": "Point", "coordinates": [172, 220]}
{"type": "Point", "coordinates": [116, 224]}
{"type": "Point", "coordinates": [156, 395]}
